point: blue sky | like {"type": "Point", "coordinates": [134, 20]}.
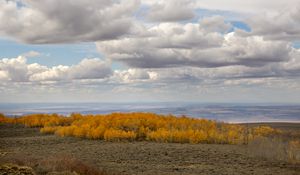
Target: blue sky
{"type": "Point", "coordinates": [144, 50]}
{"type": "Point", "coordinates": [51, 54]}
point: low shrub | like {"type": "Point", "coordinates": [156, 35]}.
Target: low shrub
{"type": "Point", "coordinates": [275, 148]}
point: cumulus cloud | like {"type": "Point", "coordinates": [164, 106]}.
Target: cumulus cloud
{"type": "Point", "coordinates": [14, 69]}
{"type": "Point", "coordinates": [215, 24]}
{"type": "Point", "coordinates": [86, 69]}
{"type": "Point", "coordinates": [31, 54]}
{"type": "Point", "coordinates": [279, 26]}
{"type": "Point", "coordinates": [199, 45]}
{"type": "Point", "coordinates": [55, 21]}
{"type": "Point", "coordinates": [3, 75]}
{"type": "Point", "coordinates": [18, 70]}
{"type": "Point", "coordinates": [170, 11]}
{"type": "Point", "coordinates": [293, 66]}
{"type": "Point", "coordinates": [134, 75]}
{"type": "Point", "coordinates": [90, 69]}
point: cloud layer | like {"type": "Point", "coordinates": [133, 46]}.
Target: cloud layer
{"type": "Point", "coordinates": [163, 47]}
{"type": "Point", "coordinates": [19, 70]}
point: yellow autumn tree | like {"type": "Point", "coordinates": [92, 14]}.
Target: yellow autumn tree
{"type": "Point", "coordinates": [141, 126]}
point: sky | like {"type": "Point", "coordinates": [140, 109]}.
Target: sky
{"type": "Point", "coordinates": [212, 51]}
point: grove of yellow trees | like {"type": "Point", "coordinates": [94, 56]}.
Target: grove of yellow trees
{"type": "Point", "coordinates": [141, 126]}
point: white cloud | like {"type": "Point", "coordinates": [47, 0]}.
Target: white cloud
{"type": "Point", "coordinates": [55, 73]}
{"type": "Point", "coordinates": [17, 70]}
{"type": "Point", "coordinates": [134, 76]}
{"type": "Point", "coordinates": [4, 75]}
{"type": "Point", "coordinates": [293, 66]}
{"type": "Point", "coordinates": [31, 54]}
{"type": "Point", "coordinates": [215, 24]}
{"type": "Point", "coordinates": [90, 69]}
{"type": "Point", "coordinates": [283, 25]}
{"type": "Point", "coordinates": [86, 69]}
{"type": "Point", "coordinates": [199, 45]}
{"type": "Point", "coordinates": [170, 11]}
{"type": "Point", "coordinates": [55, 21]}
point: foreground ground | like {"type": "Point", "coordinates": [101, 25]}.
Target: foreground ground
{"type": "Point", "coordinates": [139, 157]}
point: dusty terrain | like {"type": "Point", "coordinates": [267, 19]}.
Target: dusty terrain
{"type": "Point", "coordinates": [139, 157]}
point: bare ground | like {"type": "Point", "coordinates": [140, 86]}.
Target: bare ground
{"type": "Point", "coordinates": [140, 157]}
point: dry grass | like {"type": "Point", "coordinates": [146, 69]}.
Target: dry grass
{"type": "Point", "coordinates": [12, 169]}
{"type": "Point", "coordinates": [294, 151]}
{"type": "Point", "coordinates": [275, 148]}
{"type": "Point", "coordinates": [58, 164]}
